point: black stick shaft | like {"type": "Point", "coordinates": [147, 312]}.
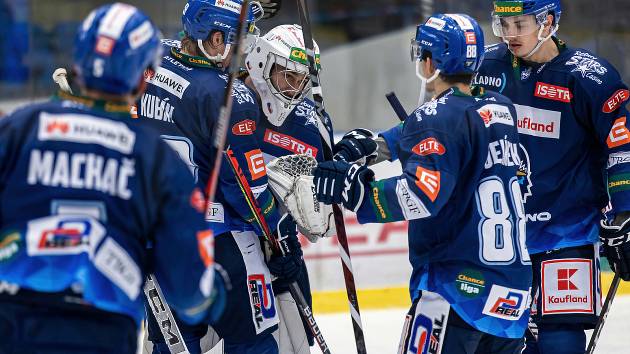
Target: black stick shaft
{"type": "Point", "coordinates": [602, 317]}
{"type": "Point", "coordinates": [396, 106]}
{"type": "Point", "coordinates": [344, 250]}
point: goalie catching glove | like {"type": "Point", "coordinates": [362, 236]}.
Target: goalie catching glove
{"type": "Point", "coordinates": [291, 181]}
{"type": "Point", "coordinates": [616, 243]}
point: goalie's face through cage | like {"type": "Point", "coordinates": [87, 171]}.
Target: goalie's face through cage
{"type": "Point", "coordinates": [278, 67]}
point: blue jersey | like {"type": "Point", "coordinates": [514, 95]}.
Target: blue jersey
{"type": "Point", "coordinates": [82, 194]}
{"type": "Point", "coordinates": [299, 134]}
{"type": "Point", "coordinates": [460, 192]}
{"type": "Point", "coordinates": [574, 141]}
{"type": "Point", "coordinates": [182, 102]}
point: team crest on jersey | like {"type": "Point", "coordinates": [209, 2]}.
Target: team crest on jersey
{"type": "Point", "coordinates": [308, 112]}
{"type": "Point", "coordinates": [431, 108]}
{"type": "Point", "coordinates": [587, 65]}
{"type": "Point", "coordinates": [261, 298]}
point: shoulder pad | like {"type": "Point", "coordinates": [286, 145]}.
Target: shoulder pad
{"type": "Point", "coordinates": [171, 43]}
{"type": "Point", "coordinates": [587, 68]}
{"type": "Point", "coordinates": [496, 51]}
{"type": "Point", "coordinates": [243, 95]}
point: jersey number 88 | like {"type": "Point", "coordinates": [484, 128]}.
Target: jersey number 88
{"type": "Point", "coordinates": [500, 232]}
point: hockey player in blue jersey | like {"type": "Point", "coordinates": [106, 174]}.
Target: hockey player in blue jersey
{"type": "Point", "coordinates": [278, 72]}
{"type": "Point", "coordinates": [460, 192]}
{"type": "Point", "coordinates": [182, 102]}
{"type": "Point", "coordinates": [83, 193]}
{"type": "Point", "coordinates": [574, 148]}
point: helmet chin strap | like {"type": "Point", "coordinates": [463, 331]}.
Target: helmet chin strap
{"type": "Point", "coordinates": [424, 81]}
{"type": "Point", "coordinates": [216, 58]}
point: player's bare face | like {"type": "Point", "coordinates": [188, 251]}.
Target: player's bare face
{"type": "Point", "coordinates": [520, 32]}
{"type": "Point", "coordinates": [288, 82]}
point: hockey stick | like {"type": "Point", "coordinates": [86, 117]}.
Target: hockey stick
{"type": "Point", "coordinates": [612, 291]}
{"type": "Point", "coordinates": [161, 310]}
{"type": "Point", "coordinates": [396, 106]}
{"type": "Point", "coordinates": [278, 247]}
{"type": "Point", "coordinates": [344, 250]}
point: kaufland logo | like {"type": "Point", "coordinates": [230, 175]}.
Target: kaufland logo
{"type": "Point", "coordinates": [567, 286]}
{"type": "Point", "coordinates": [538, 122]}
{"type": "Point", "coordinates": [564, 279]}
{"type": "Point", "coordinates": [565, 283]}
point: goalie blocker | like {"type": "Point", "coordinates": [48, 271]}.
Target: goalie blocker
{"type": "Point", "coordinates": [291, 181]}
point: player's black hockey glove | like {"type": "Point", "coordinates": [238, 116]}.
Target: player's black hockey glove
{"type": "Point", "coordinates": [356, 146]}
{"type": "Point", "coordinates": [271, 8]}
{"type": "Point", "coordinates": [616, 245]}
{"type": "Point", "coordinates": [286, 267]}
{"type": "Point", "coordinates": [340, 182]}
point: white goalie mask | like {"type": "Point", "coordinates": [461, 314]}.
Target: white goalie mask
{"type": "Point", "coordinates": [278, 67]}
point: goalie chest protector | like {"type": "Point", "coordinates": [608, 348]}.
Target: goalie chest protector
{"type": "Point", "coordinates": [299, 134]}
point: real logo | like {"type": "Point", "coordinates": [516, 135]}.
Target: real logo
{"type": "Point", "coordinates": [261, 298]}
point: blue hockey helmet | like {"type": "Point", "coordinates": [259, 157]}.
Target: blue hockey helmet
{"type": "Point", "coordinates": [113, 47]}
{"type": "Point", "coordinates": [201, 17]}
{"type": "Point", "coordinates": [455, 42]}
{"type": "Point", "coordinates": [538, 9]}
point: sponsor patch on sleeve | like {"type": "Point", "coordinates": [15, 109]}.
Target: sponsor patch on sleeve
{"type": "Point", "coordinates": [256, 164]}
{"type": "Point", "coordinates": [429, 182]}
{"type": "Point", "coordinates": [429, 146]}
{"type": "Point", "coordinates": [619, 134]}
{"type": "Point", "coordinates": [244, 127]}
{"type": "Point", "coordinates": [615, 101]}
{"type": "Point", "coordinates": [567, 286]}
{"type": "Point", "coordinates": [619, 182]}
{"type": "Point", "coordinates": [411, 206]}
